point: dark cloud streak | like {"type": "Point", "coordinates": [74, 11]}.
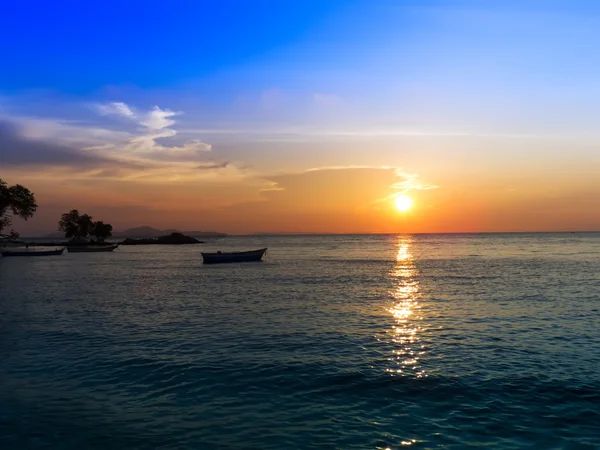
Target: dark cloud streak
{"type": "Point", "coordinates": [19, 151]}
{"type": "Point", "coordinates": [213, 166]}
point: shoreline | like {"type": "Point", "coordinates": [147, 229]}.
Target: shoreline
{"type": "Point", "coordinates": [104, 244]}
{"type": "Point", "coordinates": [172, 239]}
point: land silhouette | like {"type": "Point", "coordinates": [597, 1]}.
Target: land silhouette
{"type": "Point", "coordinates": [150, 232]}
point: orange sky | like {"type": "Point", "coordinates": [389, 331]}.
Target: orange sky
{"type": "Point", "coordinates": [329, 200]}
{"type": "Point", "coordinates": [458, 183]}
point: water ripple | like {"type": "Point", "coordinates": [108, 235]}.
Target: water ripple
{"type": "Point", "coordinates": [496, 338]}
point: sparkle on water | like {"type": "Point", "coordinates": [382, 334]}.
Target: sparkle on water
{"type": "Point", "coordinates": [405, 311]}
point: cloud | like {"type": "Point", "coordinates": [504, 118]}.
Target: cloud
{"type": "Point", "coordinates": [191, 151]}
{"type": "Point", "coordinates": [341, 199]}
{"type": "Point", "coordinates": [157, 119]}
{"type": "Point", "coordinates": [147, 150]}
{"type": "Point", "coordinates": [71, 133]}
{"type": "Point", "coordinates": [211, 166]}
{"type": "Point", "coordinates": [368, 185]}
{"type": "Point", "coordinates": [156, 124]}
{"type": "Point", "coordinates": [117, 108]}
{"type": "Point", "coordinates": [19, 150]}
{"type": "Point", "coordinates": [324, 181]}
{"type": "Point", "coordinates": [408, 181]}
{"type": "Point", "coordinates": [318, 169]}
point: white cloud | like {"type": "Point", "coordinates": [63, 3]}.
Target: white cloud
{"type": "Point", "coordinates": [156, 124]}
{"type": "Point", "coordinates": [67, 132]}
{"type": "Point", "coordinates": [117, 108]}
{"type": "Point", "coordinates": [157, 119]}
{"type": "Point", "coordinates": [145, 144]}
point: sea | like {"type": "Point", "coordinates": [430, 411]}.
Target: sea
{"type": "Point", "coordinates": [334, 342]}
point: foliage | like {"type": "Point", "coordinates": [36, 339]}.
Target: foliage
{"type": "Point", "coordinates": [17, 200]}
{"type": "Point", "coordinates": [101, 230]}
{"type": "Point", "coordinates": [76, 226]}
{"type": "Point", "coordinates": [86, 224]}
{"type": "Point", "coordinates": [69, 224]}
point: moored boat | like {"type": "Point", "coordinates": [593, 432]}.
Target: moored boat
{"type": "Point", "coordinates": [58, 252]}
{"type": "Point", "coordinates": [91, 249]}
{"type": "Point", "coordinates": [233, 257]}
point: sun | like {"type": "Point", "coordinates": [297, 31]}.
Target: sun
{"type": "Point", "coordinates": [403, 203]}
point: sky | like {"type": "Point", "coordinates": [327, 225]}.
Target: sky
{"type": "Point", "coordinates": [304, 115]}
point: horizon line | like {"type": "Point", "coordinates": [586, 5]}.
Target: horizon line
{"type": "Point", "coordinates": [261, 234]}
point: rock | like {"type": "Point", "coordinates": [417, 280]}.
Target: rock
{"type": "Point", "coordinates": [170, 239]}
{"type": "Point", "coordinates": [177, 238]}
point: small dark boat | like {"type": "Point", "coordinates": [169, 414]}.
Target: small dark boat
{"type": "Point", "coordinates": [58, 252]}
{"type": "Point", "coordinates": [233, 257]}
{"type": "Point", "coordinates": [91, 249]}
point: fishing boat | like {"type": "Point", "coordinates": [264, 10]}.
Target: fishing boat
{"type": "Point", "coordinates": [58, 252]}
{"type": "Point", "coordinates": [233, 257]}
{"type": "Point", "coordinates": [91, 249]}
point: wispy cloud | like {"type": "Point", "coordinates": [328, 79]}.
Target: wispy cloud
{"type": "Point", "coordinates": [143, 146]}
{"type": "Point", "coordinates": [372, 184]}
{"type": "Point", "coordinates": [157, 119]}
{"type": "Point", "coordinates": [408, 181]}
{"type": "Point", "coordinates": [155, 124]}
{"type": "Point", "coordinates": [211, 166]}
{"type": "Point", "coordinates": [18, 149]}
{"type": "Point", "coordinates": [318, 169]}
{"type": "Point", "coordinates": [118, 108]}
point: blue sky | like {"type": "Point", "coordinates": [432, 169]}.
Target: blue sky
{"type": "Point", "coordinates": [445, 56]}
{"type": "Point", "coordinates": [249, 90]}
{"type": "Point", "coordinates": [83, 46]}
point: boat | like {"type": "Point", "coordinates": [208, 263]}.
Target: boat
{"type": "Point", "coordinates": [233, 257]}
{"type": "Point", "coordinates": [58, 252]}
{"type": "Point", "coordinates": [91, 249]}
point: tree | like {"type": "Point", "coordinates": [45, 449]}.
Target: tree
{"type": "Point", "coordinates": [86, 224]}
{"type": "Point", "coordinates": [101, 230]}
{"type": "Point", "coordinates": [76, 226]}
{"type": "Point", "coordinates": [69, 224]}
{"type": "Point", "coordinates": [17, 200]}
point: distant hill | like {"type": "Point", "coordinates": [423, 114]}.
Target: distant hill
{"type": "Point", "coordinates": [149, 232]}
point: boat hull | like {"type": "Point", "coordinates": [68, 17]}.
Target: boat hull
{"type": "Point", "coordinates": [108, 248]}
{"type": "Point", "coordinates": [7, 253]}
{"type": "Point", "coordinates": [236, 257]}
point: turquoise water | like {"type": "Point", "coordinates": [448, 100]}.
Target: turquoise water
{"type": "Point", "coordinates": [336, 342]}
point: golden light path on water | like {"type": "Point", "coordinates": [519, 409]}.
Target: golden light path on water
{"type": "Point", "coordinates": [406, 312]}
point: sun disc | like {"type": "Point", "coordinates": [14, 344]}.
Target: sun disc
{"type": "Point", "coordinates": [403, 203]}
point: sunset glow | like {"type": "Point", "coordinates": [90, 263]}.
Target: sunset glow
{"type": "Point", "coordinates": [403, 203]}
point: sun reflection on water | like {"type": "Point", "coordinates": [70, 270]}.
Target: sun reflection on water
{"type": "Point", "coordinates": [406, 312]}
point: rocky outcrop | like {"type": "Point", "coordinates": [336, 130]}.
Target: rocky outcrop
{"type": "Point", "coordinates": [170, 239]}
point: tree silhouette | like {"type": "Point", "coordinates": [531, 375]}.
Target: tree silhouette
{"type": "Point", "coordinates": [69, 224]}
{"type": "Point", "coordinates": [86, 224]}
{"type": "Point", "coordinates": [101, 230]}
{"type": "Point", "coordinates": [76, 226]}
{"type": "Point", "coordinates": [17, 200]}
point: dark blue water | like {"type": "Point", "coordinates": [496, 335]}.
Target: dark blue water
{"type": "Point", "coordinates": [336, 342]}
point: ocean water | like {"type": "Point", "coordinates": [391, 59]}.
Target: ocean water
{"type": "Point", "coordinates": [335, 342]}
